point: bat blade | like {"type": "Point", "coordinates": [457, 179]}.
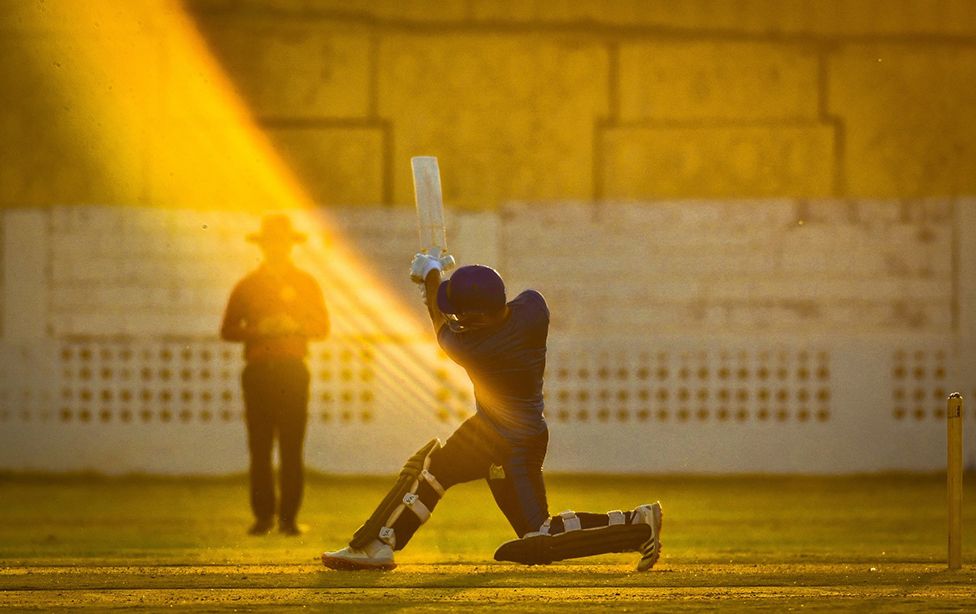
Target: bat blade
{"type": "Point", "coordinates": [430, 204]}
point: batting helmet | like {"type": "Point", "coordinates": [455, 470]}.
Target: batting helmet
{"type": "Point", "coordinates": [472, 289]}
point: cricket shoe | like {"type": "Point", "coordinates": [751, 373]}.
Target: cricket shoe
{"type": "Point", "coordinates": [261, 527]}
{"type": "Point", "coordinates": [375, 555]}
{"type": "Point", "coordinates": [292, 529]}
{"type": "Point", "coordinates": [653, 516]}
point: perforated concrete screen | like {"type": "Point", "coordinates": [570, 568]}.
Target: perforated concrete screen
{"type": "Point", "coordinates": [679, 410]}
{"type": "Point", "coordinates": [920, 378]}
{"type": "Point", "coordinates": [692, 386]}
{"type": "Point", "coordinates": [195, 380]}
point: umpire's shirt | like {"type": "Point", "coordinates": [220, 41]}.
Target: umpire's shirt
{"type": "Point", "coordinates": [267, 293]}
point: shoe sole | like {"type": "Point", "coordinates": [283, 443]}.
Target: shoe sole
{"type": "Point", "coordinates": [340, 564]}
{"type": "Point", "coordinates": [651, 549]}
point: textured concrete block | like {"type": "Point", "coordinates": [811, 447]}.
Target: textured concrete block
{"type": "Point", "coordinates": [61, 120]}
{"type": "Point", "coordinates": [827, 237]}
{"type": "Point", "coordinates": [510, 117]}
{"type": "Point", "coordinates": [764, 17]}
{"type": "Point", "coordinates": [869, 259]}
{"type": "Point", "coordinates": [23, 257]}
{"type": "Point", "coordinates": [919, 315]}
{"type": "Point", "coordinates": [335, 166]}
{"type": "Point", "coordinates": [881, 212]}
{"type": "Point", "coordinates": [886, 17]}
{"type": "Point", "coordinates": [721, 161]}
{"type": "Point", "coordinates": [909, 132]}
{"type": "Point", "coordinates": [413, 10]}
{"type": "Point", "coordinates": [704, 266]}
{"type": "Point", "coordinates": [477, 239]}
{"type": "Point", "coordinates": [717, 81]}
{"type": "Point", "coordinates": [296, 70]}
{"type": "Point", "coordinates": [966, 254]}
{"type": "Point", "coordinates": [630, 12]}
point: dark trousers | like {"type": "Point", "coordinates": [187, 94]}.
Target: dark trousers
{"type": "Point", "coordinates": [513, 471]}
{"type": "Point", "coordinates": [276, 402]}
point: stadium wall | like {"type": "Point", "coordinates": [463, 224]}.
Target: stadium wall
{"type": "Point", "coordinates": [749, 218]}
{"type": "Point", "coordinates": [698, 337]}
{"type": "Point", "coordinates": [538, 100]}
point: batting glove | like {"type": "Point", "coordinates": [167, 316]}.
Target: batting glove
{"type": "Point", "coordinates": [422, 265]}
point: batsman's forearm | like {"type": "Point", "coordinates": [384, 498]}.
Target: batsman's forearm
{"type": "Point", "coordinates": [431, 283]}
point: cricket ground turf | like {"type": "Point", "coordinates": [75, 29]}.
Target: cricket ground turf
{"type": "Point", "coordinates": [759, 543]}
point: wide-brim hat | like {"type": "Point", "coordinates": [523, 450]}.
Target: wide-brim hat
{"type": "Point", "coordinates": [472, 289]}
{"type": "Point", "coordinates": [276, 228]}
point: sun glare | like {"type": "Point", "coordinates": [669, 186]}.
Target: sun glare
{"type": "Point", "coordinates": [208, 155]}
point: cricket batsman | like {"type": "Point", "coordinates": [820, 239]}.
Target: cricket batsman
{"type": "Point", "coordinates": [502, 346]}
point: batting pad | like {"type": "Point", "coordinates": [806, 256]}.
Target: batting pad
{"type": "Point", "coordinates": [402, 496]}
{"type": "Point", "coordinates": [544, 549]}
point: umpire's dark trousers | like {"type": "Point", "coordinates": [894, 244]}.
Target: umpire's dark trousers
{"type": "Point", "coordinates": [276, 402]}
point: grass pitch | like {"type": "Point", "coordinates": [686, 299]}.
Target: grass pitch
{"type": "Point", "coordinates": [759, 543]}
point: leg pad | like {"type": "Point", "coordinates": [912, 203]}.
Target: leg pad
{"type": "Point", "coordinates": [401, 496]}
{"type": "Point", "coordinates": [544, 549]}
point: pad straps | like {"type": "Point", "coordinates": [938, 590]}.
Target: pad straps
{"type": "Point", "coordinates": [571, 521]}
{"type": "Point", "coordinates": [379, 524]}
{"type": "Point", "coordinates": [430, 479]}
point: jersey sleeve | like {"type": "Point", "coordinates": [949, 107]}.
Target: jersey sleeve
{"type": "Point", "coordinates": [535, 304]}
{"type": "Point", "coordinates": [233, 327]}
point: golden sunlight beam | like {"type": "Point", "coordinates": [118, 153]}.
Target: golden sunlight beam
{"type": "Point", "coordinates": [145, 81]}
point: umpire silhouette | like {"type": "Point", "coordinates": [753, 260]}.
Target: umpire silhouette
{"type": "Point", "coordinates": [274, 311]}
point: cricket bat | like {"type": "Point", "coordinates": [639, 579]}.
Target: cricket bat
{"type": "Point", "coordinates": [430, 209]}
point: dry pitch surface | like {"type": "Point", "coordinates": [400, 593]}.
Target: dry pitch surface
{"type": "Point", "coordinates": [758, 543]}
{"type": "Point", "coordinates": [898, 587]}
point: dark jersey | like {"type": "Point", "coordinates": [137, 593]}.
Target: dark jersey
{"type": "Point", "coordinates": [506, 365]}
{"type": "Point", "coordinates": [266, 293]}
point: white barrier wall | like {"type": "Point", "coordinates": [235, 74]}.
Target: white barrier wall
{"type": "Point", "coordinates": [774, 336]}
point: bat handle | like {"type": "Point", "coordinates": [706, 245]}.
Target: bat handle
{"type": "Point", "coordinates": [447, 261]}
